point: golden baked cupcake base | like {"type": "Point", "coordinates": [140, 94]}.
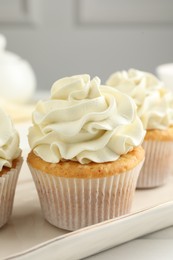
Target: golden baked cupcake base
{"type": "Point", "coordinates": [71, 169]}
{"type": "Point", "coordinates": [8, 180]}
{"type": "Point", "coordinates": [160, 135]}
{"type": "Point", "coordinates": [5, 169]}
{"type": "Point", "coordinates": [70, 201]}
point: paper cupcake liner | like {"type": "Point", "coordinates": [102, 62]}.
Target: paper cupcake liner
{"type": "Point", "coordinates": [158, 164]}
{"type": "Point", "coordinates": [73, 203]}
{"type": "Point", "coordinates": [7, 191]}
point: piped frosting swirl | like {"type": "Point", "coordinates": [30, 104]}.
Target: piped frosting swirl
{"type": "Point", "coordinates": [84, 121]}
{"type": "Point", "coordinates": [9, 141]}
{"type": "Point", "coordinates": [154, 102]}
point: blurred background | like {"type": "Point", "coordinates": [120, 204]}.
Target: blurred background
{"type": "Point", "coordinates": [63, 38]}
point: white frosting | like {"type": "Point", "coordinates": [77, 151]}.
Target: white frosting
{"type": "Point", "coordinates": [154, 102]}
{"type": "Point", "coordinates": [9, 141]}
{"type": "Point", "coordinates": [84, 122]}
{"type": "Point", "coordinates": [17, 78]}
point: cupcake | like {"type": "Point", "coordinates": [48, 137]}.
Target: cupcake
{"type": "Point", "coordinates": [85, 153]}
{"type": "Point", "coordinates": [155, 109]}
{"type": "Point", "coordinates": [10, 164]}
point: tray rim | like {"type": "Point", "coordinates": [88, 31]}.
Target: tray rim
{"type": "Point", "coordinates": [166, 208]}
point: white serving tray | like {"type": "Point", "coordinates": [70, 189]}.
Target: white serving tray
{"type": "Point", "coordinates": [29, 236]}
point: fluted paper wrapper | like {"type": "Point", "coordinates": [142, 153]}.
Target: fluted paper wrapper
{"type": "Point", "coordinates": [158, 164]}
{"type": "Point", "coordinates": [73, 203]}
{"type": "Point", "coordinates": [7, 191]}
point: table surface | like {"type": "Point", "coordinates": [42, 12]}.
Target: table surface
{"type": "Point", "coordinates": [158, 245]}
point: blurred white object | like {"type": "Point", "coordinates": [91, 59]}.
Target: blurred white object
{"type": "Point", "coordinates": [165, 73]}
{"type": "Point", "coordinates": [17, 78]}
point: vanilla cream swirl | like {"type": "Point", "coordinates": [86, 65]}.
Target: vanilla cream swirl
{"type": "Point", "coordinates": [154, 102]}
{"type": "Point", "coordinates": [9, 141]}
{"type": "Point", "coordinates": [84, 121]}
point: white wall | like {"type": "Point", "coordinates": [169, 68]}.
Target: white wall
{"type": "Point", "coordinates": [66, 37]}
